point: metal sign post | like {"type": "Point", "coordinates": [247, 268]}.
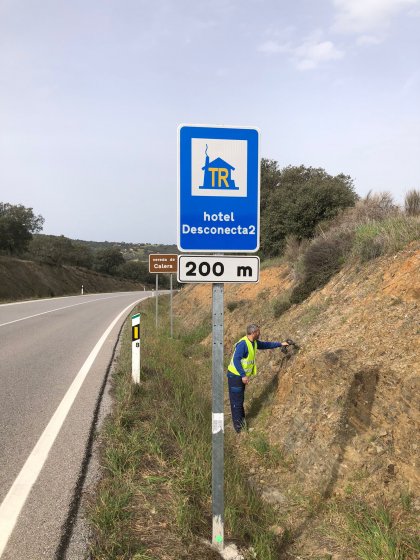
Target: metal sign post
{"type": "Point", "coordinates": [218, 420]}
{"type": "Point", "coordinates": [163, 263]}
{"type": "Point", "coordinates": [172, 321]}
{"type": "Point", "coordinates": [157, 297]}
{"type": "Point", "coordinates": [135, 347]}
{"type": "Point", "coordinates": [218, 212]}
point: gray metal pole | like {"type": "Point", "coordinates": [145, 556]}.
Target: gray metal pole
{"type": "Point", "coordinates": [170, 281]}
{"type": "Point", "coordinates": [218, 420]}
{"type": "Point", "coordinates": [156, 293]}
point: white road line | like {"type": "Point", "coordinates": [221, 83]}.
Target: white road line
{"type": "Point", "coordinates": [57, 309]}
{"type": "Point", "coordinates": [41, 300]}
{"type": "Point", "coordinates": [16, 497]}
{"type": "Point", "coordinates": [36, 300]}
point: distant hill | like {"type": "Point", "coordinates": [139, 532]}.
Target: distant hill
{"type": "Point", "coordinates": [139, 251]}
{"type": "Point", "coordinates": [20, 279]}
{"type": "Point", "coordinates": [55, 265]}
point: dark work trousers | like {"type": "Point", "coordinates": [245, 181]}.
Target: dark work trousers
{"type": "Point", "coordinates": [237, 396]}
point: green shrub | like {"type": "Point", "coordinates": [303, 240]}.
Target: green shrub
{"type": "Point", "coordinates": [385, 237]}
{"type": "Point", "coordinates": [323, 258]}
{"type": "Point", "coordinates": [295, 199]}
{"type": "Point", "coordinates": [412, 203]}
{"type": "Point", "coordinates": [303, 290]}
{"type": "Point", "coordinates": [232, 305]}
{"type": "Point", "coordinates": [368, 242]}
{"type": "Point", "coordinates": [281, 305]}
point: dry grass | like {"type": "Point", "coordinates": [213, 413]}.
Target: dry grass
{"type": "Point", "coordinates": [375, 226]}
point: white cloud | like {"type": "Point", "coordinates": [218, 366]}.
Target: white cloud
{"type": "Point", "coordinates": [312, 53]}
{"type": "Point", "coordinates": [363, 16]}
{"type": "Point", "coordinates": [369, 40]}
{"type": "Point", "coordinates": [308, 55]}
{"type": "Point", "coordinates": [272, 47]}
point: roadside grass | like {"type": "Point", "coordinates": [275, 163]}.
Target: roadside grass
{"type": "Point", "coordinates": [154, 498]}
{"type": "Point", "coordinates": [350, 527]}
{"type": "Point", "coordinates": [376, 535]}
{"type": "Point", "coordinates": [269, 455]}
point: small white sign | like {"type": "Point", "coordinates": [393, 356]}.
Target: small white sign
{"type": "Point", "coordinates": [203, 268]}
{"type": "Point", "coordinates": [218, 422]}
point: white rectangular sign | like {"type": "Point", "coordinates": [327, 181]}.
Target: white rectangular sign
{"type": "Point", "coordinates": [203, 268]}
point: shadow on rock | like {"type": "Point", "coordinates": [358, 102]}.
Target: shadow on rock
{"type": "Point", "coordinates": [355, 419]}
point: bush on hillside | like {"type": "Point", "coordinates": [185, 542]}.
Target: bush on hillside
{"type": "Point", "coordinates": [295, 199]}
{"type": "Point", "coordinates": [58, 250]}
{"type": "Point", "coordinates": [373, 227]}
{"type": "Point", "coordinates": [389, 236]}
{"type": "Point", "coordinates": [107, 261]}
{"type": "Point", "coordinates": [81, 255]}
{"type": "Point", "coordinates": [324, 257]}
{"type": "Point", "coordinates": [281, 305]}
{"type": "Point", "coordinates": [294, 251]}
{"type": "Point", "coordinates": [139, 272]}
{"type": "Point", "coordinates": [232, 305]}
{"type": "Point", "coordinates": [412, 203]}
{"type": "Point", "coordinates": [373, 207]}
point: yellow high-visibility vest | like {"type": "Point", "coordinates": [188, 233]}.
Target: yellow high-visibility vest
{"type": "Point", "coordinates": [248, 363]}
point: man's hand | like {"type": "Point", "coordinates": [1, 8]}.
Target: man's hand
{"type": "Point", "coordinates": [245, 380]}
{"type": "Point", "coordinates": [285, 343]}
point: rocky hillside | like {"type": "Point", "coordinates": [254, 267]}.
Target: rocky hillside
{"type": "Point", "coordinates": [336, 424]}
{"type": "Point", "coordinates": [26, 279]}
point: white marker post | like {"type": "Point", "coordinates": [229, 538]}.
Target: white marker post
{"type": "Point", "coordinates": [135, 347]}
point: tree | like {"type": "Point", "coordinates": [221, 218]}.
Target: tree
{"type": "Point", "coordinates": [108, 260]}
{"type": "Point", "coordinates": [136, 271]}
{"type": "Point", "coordinates": [50, 249]}
{"type": "Point", "coordinates": [59, 250]}
{"type": "Point", "coordinates": [17, 224]}
{"type": "Point", "coordinates": [295, 199]}
{"type": "Point", "coordinates": [82, 255]}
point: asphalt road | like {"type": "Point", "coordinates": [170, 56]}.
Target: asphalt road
{"type": "Point", "coordinates": [44, 346]}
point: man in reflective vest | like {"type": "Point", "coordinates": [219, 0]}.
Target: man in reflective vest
{"type": "Point", "coordinates": [243, 366]}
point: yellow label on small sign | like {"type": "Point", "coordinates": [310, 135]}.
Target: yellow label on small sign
{"type": "Point", "coordinates": [136, 333]}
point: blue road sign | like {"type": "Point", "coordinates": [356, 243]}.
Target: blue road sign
{"type": "Point", "coordinates": [218, 189]}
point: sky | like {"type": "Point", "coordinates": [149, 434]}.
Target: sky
{"type": "Point", "coordinates": [92, 93]}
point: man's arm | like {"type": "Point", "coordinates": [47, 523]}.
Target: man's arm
{"type": "Point", "coordinates": [268, 345]}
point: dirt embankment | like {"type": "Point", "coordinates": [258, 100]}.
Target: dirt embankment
{"type": "Point", "coordinates": [26, 279]}
{"type": "Point", "coordinates": [345, 409]}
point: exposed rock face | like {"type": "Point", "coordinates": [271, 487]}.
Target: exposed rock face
{"type": "Point", "coordinates": [344, 410]}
